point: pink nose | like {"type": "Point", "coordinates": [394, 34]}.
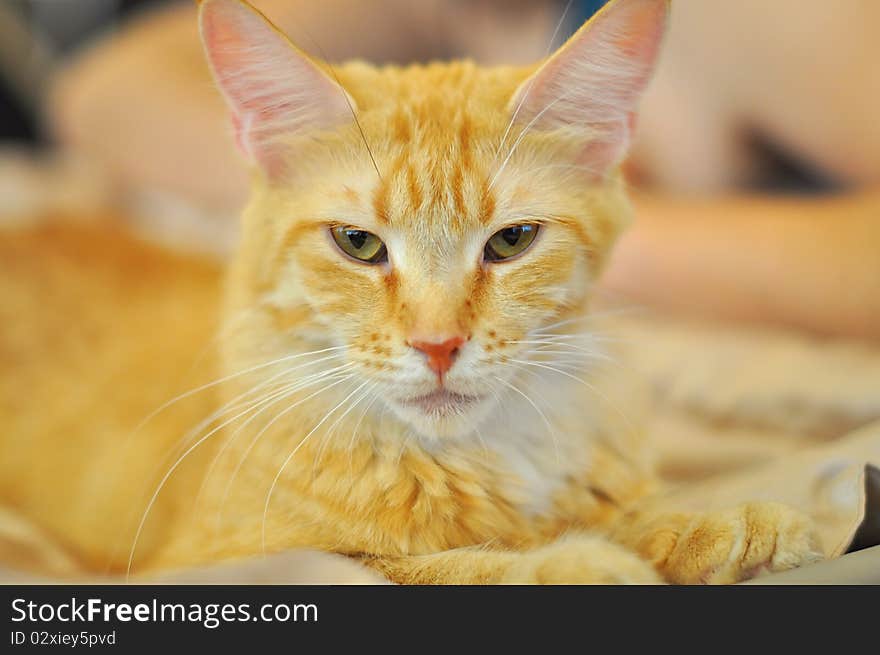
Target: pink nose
{"type": "Point", "coordinates": [440, 354]}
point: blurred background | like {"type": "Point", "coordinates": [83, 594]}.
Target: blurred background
{"type": "Point", "coordinates": [35, 35]}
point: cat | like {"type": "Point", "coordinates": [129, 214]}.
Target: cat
{"type": "Point", "coordinates": [406, 373]}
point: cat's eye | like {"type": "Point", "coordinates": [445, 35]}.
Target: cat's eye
{"type": "Point", "coordinates": [510, 242]}
{"type": "Point", "coordinates": [360, 244]}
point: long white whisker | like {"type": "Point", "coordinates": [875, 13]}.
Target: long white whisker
{"type": "Point", "coordinates": [335, 423]}
{"type": "Point", "coordinates": [267, 402]}
{"type": "Point", "coordinates": [479, 434]}
{"type": "Point", "coordinates": [290, 456]}
{"type": "Point", "coordinates": [593, 388]}
{"type": "Point", "coordinates": [540, 413]}
{"type": "Point", "coordinates": [531, 83]}
{"type": "Point", "coordinates": [571, 350]}
{"type": "Point", "coordinates": [165, 479]}
{"type": "Point", "coordinates": [402, 450]}
{"type": "Point", "coordinates": [579, 354]}
{"type": "Point", "coordinates": [593, 316]}
{"type": "Point", "coordinates": [227, 407]}
{"type": "Point", "coordinates": [357, 427]}
{"type": "Point", "coordinates": [522, 135]}
{"type": "Point", "coordinates": [262, 431]}
{"type": "Point", "coordinates": [232, 376]}
{"type": "Point", "coordinates": [583, 336]}
{"type": "Point", "coordinates": [567, 321]}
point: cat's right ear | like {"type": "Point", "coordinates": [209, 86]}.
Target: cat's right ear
{"type": "Point", "coordinates": [591, 86]}
{"type": "Point", "coordinates": [273, 89]}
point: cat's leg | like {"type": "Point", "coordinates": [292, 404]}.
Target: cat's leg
{"type": "Point", "coordinates": [720, 547]}
{"type": "Point", "coordinates": [572, 560]}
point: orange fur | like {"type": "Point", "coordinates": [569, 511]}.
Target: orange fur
{"type": "Point", "coordinates": [503, 489]}
{"type": "Point", "coordinates": [97, 331]}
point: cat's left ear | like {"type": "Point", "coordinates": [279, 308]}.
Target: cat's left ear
{"type": "Point", "coordinates": [591, 86]}
{"type": "Point", "coordinates": [273, 89]}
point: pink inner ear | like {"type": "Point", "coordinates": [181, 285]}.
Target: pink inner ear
{"type": "Point", "coordinates": [595, 80]}
{"type": "Point", "coordinates": [273, 90]}
{"type": "Point", "coordinates": [239, 129]}
{"type": "Point", "coordinates": [601, 153]}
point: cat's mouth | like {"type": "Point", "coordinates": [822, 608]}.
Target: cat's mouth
{"type": "Point", "coordinates": [441, 401]}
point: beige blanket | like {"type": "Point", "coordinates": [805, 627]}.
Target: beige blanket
{"type": "Point", "coordinates": [742, 414]}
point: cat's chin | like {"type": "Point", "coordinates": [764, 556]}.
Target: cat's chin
{"type": "Point", "coordinates": [441, 414]}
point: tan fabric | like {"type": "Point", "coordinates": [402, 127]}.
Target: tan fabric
{"type": "Point", "coordinates": [744, 414]}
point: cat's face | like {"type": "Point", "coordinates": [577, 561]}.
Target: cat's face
{"type": "Point", "coordinates": [432, 239]}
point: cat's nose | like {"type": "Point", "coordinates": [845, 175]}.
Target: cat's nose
{"type": "Point", "coordinates": [440, 354]}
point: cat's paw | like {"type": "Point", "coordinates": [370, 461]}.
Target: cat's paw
{"type": "Point", "coordinates": [581, 560]}
{"type": "Point", "coordinates": [742, 543]}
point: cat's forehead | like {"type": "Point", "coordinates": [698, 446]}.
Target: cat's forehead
{"type": "Point", "coordinates": [435, 132]}
{"type": "Point", "coordinates": [430, 94]}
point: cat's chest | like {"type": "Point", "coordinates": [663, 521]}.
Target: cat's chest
{"type": "Point", "coordinates": [532, 473]}
{"type": "Point", "coordinates": [512, 495]}
{"type": "Point", "coordinates": [388, 497]}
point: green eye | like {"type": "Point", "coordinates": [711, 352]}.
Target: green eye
{"type": "Point", "coordinates": [510, 241]}
{"type": "Point", "coordinates": [360, 244]}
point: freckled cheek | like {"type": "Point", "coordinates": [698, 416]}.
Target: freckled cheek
{"type": "Point", "coordinates": [362, 314]}
{"type": "Point", "coordinates": [521, 300]}
{"type": "Point", "coordinates": [496, 318]}
{"type": "Point", "coordinates": [351, 299]}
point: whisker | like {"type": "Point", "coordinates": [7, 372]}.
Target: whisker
{"type": "Point", "coordinates": [162, 482]}
{"type": "Point", "coordinates": [347, 102]}
{"type": "Point", "coordinates": [567, 321]}
{"type": "Point", "coordinates": [529, 173]}
{"type": "Point", "coordinates": [357, 122]}
{"type": "Point", "coordinates": [333, 427]}
{"type": "Point", "coordinates": [553, 337]}
{"type": "Point", "coordinates": [357, 427]}
{"type": "Point", "coordinates": [267, 402]}
{"type": "Point", "coordinates": [609, 443]}
{"type": "Point", "coordinates": [355, 431]}
{"type": "Point", "coordinates": [523, 134]}
{"type": "Point", "coordinates": [226, 378]}
{"type": "Point", "coordinates": [290, 456]}
{"type": "Point", "coordinates": [531, 83]}
{"type": "Point", "coordinates": [592, 316]}
{"type": "Point", "coordinates": [573, 350]}
{"type": "Point", "coordinates": [579, 355]}
{"type": "Point", "coordinates": [403, 446]}
{"type": "Point", "coordinates": [592, 387]}
{"type": "Point", "coordinates": [479, 434]}
{"type": "Point", "coordinates": [262, 431]}
{"type": "Point", "coordinates": [231, 406]}
{"type": "Point", "coordinates": [261, 385]}
{"type": "Point", "coordinates": [540, 413]}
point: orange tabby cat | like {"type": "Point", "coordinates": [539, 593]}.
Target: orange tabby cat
{"type": "Point", "coordinates": [406, 373]}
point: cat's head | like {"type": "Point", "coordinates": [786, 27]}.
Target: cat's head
{"type": "Point", "coordinates": [426, 222]}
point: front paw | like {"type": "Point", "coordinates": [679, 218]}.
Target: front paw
{"type": "Point", "coordinates": [742, 543]}
{"type": "Point", "coordinates": [580, 560]}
